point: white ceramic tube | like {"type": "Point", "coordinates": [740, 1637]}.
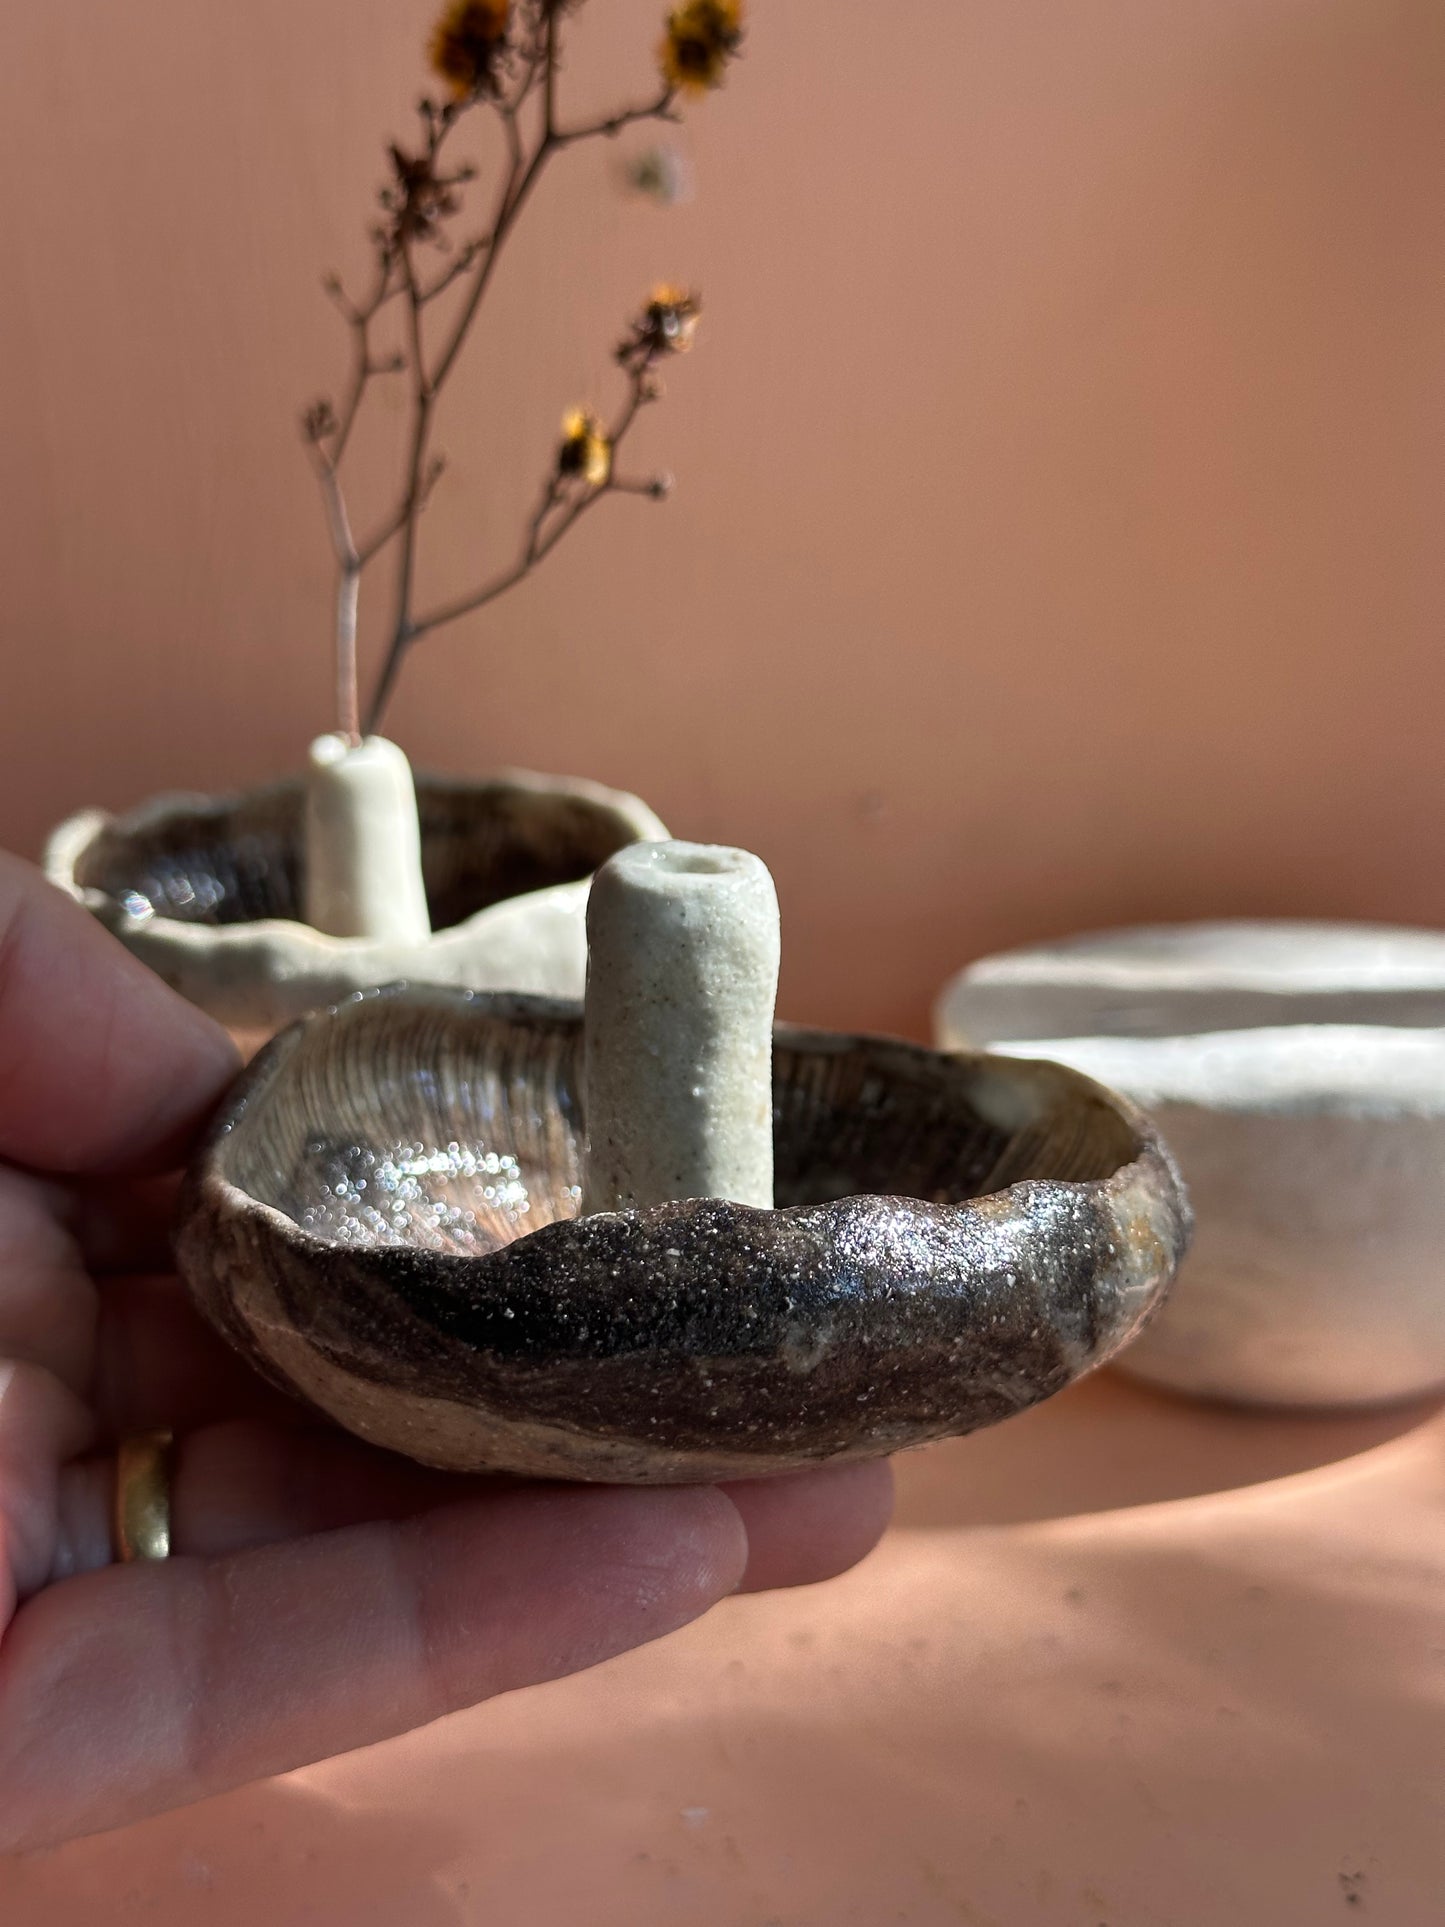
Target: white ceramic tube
{"type": "Point", "coordinates": [682, 978]}
{"type": "Point", "coordinates": [363, 843]}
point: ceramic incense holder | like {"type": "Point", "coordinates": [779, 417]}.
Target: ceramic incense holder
{"type": "Point", "coordinates": [217, 896]}
{"type": "Point", "coordinates": [1298, 1070]}
{"type": "Point", "coordinates": [386, 1219]}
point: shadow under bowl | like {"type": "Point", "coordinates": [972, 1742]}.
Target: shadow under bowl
{"type": "Point", "coordinates": [384, 1220]}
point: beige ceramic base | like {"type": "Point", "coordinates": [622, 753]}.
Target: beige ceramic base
{"type": "Point", "coordinates": [207, 891]}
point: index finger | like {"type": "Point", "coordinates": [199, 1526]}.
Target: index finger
{"type": "Point", "coordinates": [102, 1066]}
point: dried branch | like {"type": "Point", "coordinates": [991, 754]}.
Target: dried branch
{"type": "Point", "coordinates": [348, 587]}
{"type": "Point", "coordinates": [562, 504]}
{"type": "Point", "coordinates": [507, 60]}
{"type": "Point", "coordinates": [659, 109]}
{"type": "Point", "coordinates": [378, 540]}
{"type": "Point", "coordinates": [364, 366]}
{"type": "Point", "coordinates": [461, 264]}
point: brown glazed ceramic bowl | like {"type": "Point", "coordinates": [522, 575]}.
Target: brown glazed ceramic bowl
{"type": "Point", "coordinates": [383, 1219]}
{"type": "Point", "coordinates": [208, 891]}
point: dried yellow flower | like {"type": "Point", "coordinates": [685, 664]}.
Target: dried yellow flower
{"type": "Point", "coordinates": [701, 38]}
{"type": "Point", "coordinates": [666, 326]}
{"type": "Point", "coordinates": [468, 42]}
{"type": "Point", "coordinates": [671, 317]}
{"type": "Point", "coordinates": [585, 449]}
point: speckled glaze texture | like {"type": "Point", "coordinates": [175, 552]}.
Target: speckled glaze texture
{"type": "Point", "coordinates": [209, 891]}
{"type": "Point", "coordinates": [383, 1220]}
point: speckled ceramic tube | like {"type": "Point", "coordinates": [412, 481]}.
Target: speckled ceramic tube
{"type": "Point", "coordinates": [363, 873]}
{"type": "Point", "coordinates": [682, 978]}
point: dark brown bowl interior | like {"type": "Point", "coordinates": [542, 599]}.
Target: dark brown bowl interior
{"type": "Point", "coordinates": [240, 859]}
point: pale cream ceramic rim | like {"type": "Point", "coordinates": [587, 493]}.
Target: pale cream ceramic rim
{"type": "Point", "coordinates": [267, 973]}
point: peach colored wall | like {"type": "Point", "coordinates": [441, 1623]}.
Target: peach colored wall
{"type": "Point", "coordinates": [1062, 480]}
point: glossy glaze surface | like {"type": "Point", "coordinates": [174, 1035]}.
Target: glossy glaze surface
{"type": "Point", "coordinates": [385, 1221]}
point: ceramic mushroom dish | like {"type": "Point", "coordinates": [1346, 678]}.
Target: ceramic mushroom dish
{"type": "Point", "coordinates": [509, 1233]}
{"type": "Point", "coordinates": [219, 894]}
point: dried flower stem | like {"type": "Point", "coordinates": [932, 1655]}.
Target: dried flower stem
{"type": "Point", "coordinates": [422, 196]}
{"type": "Point", "coordinates": [544, 531]}
{"type": "Point", "coordinates": [348, 595]}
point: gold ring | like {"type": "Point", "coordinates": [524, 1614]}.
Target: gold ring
{"type": "Point", "coordinates": [142, 1517]}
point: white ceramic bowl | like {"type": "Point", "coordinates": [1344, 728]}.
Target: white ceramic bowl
{"type": "Point", "coordinates": [1297, 1072]}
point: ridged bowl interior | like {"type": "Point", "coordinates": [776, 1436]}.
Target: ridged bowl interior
{"type": "Point", "coordinates": [446, 1128]}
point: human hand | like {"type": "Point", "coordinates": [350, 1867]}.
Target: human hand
{"type": "Point", "coordinates": [320, 1595]}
